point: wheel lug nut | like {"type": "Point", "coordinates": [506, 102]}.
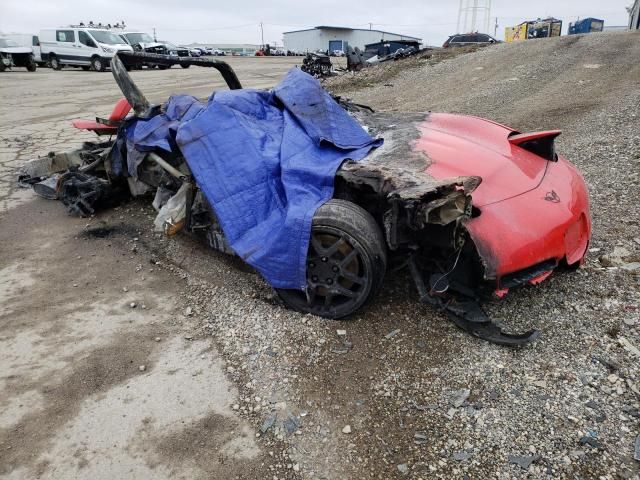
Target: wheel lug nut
{"type": "Point", "coordinates": [335, 268]}
{"type": "Point", "coordinates": [314, 278]}
{"type": "Point", "coordinates": [330, 281]}
{"type": "Point", "coordinates": [325, 259]}
{"type": "Point", "coordinates": [312, 265]}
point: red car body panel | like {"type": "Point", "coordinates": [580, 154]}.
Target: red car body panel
{"type": "Point", "coordinates": [531, 210]}
{"type": "Point", "coordinates": [459, 146]}
{"type": "Point", "coordinates": [108, 126]}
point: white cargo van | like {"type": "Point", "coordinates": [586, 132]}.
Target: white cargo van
{"type": "Point", "coordinates": [86, 47]}
{"type": "Point", "coordinates": [28, 40]}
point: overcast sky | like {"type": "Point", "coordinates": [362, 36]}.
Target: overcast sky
{"type": "Point", "coordinates": [186, 21]}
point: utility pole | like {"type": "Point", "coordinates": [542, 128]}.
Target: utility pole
{"type": "Point", "coordinates": [495, 30]}
{"type": "Point", "coordinates": [370, 25]}
{"type": "Point", "coordinates": [262, 35]}
{"type": "Point", "coordinates": [154, 35]}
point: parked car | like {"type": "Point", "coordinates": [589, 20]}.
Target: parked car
{"type": "Point", "coordinates": [86, 47]}
{"type": "Point", "coordinates": [143, 42]}
{"type": "Point", "coordinates": [337, 53]}
{"type": "Point", "coordinates": [218, 53]}
{"type": "Point", "coordinates": [176, 51]}
{"type": "Point", "coordinates": [195, 52]}
{"type": "Point", "coordinates": [28, 40]}
{"type": "Point", "coordinates": [14, 55]}
{"type": "Point", "coordinates": [461, 40]}
{"type": "Point", "coordinates": [470, 207]}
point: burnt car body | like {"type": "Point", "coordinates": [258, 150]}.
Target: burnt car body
{"type": "Point", "coordinates": [470, 207]}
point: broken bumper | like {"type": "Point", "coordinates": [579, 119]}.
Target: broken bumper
{"type": "Point", "coordinates": [525, 237]}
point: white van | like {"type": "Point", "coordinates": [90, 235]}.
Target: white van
{"type": "Point", "coordinates": [86, 47]}
{"type": "Point", "coordinates": [27, 40]}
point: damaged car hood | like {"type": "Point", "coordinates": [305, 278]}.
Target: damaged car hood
{"type": "Point", "coordinates": [15, 50]}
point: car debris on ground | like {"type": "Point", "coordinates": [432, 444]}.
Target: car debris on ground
{"type": "Point", "coordinates": [318, 65]}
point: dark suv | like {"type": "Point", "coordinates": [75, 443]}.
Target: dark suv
{"type": "Point", "coordinates": [462, 39]}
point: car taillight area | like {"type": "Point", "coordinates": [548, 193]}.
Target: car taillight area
{"type": "Point", "coordinates": [550, 222]}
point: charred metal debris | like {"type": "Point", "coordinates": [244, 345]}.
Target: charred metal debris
{"type": "Point", "coordinates": [422, 219]}
{"type": "Point", "coordinates": [319, 64]}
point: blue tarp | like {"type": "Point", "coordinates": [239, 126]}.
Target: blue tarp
{"type": "Point", "coordinates": [265, 162]}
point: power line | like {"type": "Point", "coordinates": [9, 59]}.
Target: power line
{"type": "Point", "coordinates": [230, 27]}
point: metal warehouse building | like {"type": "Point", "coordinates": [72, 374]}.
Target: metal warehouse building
{"type": "Point", "coordinates": [337, 38]}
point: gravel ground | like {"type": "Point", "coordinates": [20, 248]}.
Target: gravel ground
{"type": "Point", "coordinates": [403, 393]}
{"type": "Point", "coordinates": [398, 391]}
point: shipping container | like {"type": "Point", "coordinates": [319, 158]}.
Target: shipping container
{"type": "Point", "coordinates": [586, 25]}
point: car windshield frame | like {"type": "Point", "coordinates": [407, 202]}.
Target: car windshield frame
{"type": "Point", "coordinates": [139, 37]}
{"type": "Point", "coordinates": [171, 46]}
{"type": "Point", "coordinates": [8, 43]}
{"type": "Point", "coordinates": [103, 36]}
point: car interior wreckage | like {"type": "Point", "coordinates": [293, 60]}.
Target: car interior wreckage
{"type": "Point", "coordinates": [470, 207]}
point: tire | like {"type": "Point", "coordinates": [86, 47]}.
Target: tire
{"type": "Point", "coordinates": [346, 262]}
{"type": "Point", "coordinates": [31, 65]}
{"type": "Point", "coordinates": [98, 64]}
{"type": "Point", "coordinates": [55, 63]}
{"type": "Point", "coordinates": [184, 65]}
{"type": "Point", "coordinates": [3, 67]}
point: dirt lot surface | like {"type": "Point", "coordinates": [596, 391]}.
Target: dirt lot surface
{"type": "Point", "coordinates": [209, 376]}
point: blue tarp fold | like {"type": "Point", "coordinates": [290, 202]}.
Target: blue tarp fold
{"type": "Point", "coordinates": [265, 162]}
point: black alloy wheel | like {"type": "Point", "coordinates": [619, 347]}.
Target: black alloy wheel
{"type": "Point", "coordinates": [346, 262]}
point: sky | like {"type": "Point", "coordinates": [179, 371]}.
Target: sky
{"type": "Point", "coordinates": [202, 21]}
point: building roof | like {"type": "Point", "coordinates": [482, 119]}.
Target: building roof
{"type": "Point", "coordinates": [329, 27]}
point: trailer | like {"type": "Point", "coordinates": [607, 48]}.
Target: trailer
{"type": "Point", "coordinates": [540, 28]}
{"type": "Point", "coordinates": [586, 25]}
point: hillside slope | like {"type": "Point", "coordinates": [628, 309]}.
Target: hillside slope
{"type": "Point", "coordinates": [529, 84]}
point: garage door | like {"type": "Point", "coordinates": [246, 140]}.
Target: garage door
{"type": "Point", "coordinates": [335, 45]}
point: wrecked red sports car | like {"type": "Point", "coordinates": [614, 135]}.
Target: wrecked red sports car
{"type": "Point", "coordinates": [472, 208]}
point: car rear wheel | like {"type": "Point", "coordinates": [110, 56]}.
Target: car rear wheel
{"type": "Point", "coordinates": [55, 63]}
{"type": "Point", "coordinates": [31, 64]}
{"type": "Point", "coordinates": [346, 262]}
{"type": "Point", "coordinates": [98, 65]}
{"type": "Point", "coordinates": [185, 65]}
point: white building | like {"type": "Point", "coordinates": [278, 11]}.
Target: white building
{"type": "Point", "coordinates": [337, 38]}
